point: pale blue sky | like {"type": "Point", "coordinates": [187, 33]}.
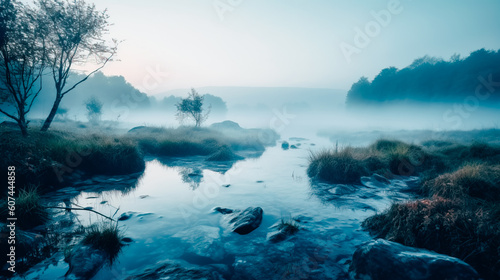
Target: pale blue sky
{"type": "Point", "coordinates": [286, 43]}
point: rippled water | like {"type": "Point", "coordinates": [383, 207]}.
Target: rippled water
{"type": "Point", "coordinates": [172, 202]}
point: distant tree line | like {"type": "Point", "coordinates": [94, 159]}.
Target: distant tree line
{"type": "Point", "coordinates": [430, 79]}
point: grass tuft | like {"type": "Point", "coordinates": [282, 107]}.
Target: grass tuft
{"type": "Point", "coordinates": [342, 167]}
{"type": "Point", "coordinates": [29, 209]}
{"type": "Point", "coordinates": [105, 237]}
{"type": "Point", "coordinates": [473, 180]}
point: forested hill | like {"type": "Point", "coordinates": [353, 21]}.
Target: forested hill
{"type": "Point", "coordinates": [430, 79]}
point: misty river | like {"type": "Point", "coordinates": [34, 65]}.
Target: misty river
{"type": "Point", "coordinates": [168, 215]}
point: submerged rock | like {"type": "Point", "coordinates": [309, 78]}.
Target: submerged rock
{"type": "Point", "coordinates": [203, 241]}
{"type": "Point", "coordinates": [245, 221]}
{"type": "Point", "coordinates": [84, 262]}
{"type": "Point", "coordinates": [125, 216]}
{"type": "Point", "coordinates": [282, 230]}
{"type": "Point", "coordinates": [285, 145]}
{"type": "Point", "coordinates": [127, 240]}
{"type": "Point", "coordinates": [381, 259]}
{"type": "Point", "coordinates": [242, 222]}
{"type": "Point", "coordinates": [223, 211]}
{"type": "Point", "coordinates": [178, 271]}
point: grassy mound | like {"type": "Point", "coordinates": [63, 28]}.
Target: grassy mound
{"type": "Point", "coordinates": [473, 180]}
{"type": "Point", "coordinates": [461, 217]}
{"type": "Point", "coordinates": [392, 157]}
{"type": "Point", "coordinates": [105, 237]}
{"type": "Point", "coordinates": [224, 154]}
{"type": "Point", "coordinates": [189, 141]}
{"type": "Point", "coordinates": [39, 157]}
{"type": "Point", "coordinates": [342, 167]}
{"type": "Point", "coordinates": [465, 230]}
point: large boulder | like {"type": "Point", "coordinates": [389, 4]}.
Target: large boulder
{"type": "Point", "coordinates": [381, 259]}
{"type": "Point", "coordinates": [242, 222]}
{"type": "Point", "coordinates": [84, 262]}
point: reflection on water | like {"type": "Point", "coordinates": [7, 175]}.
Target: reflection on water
{"type": "Point", "coordinates": [172, 218]}
{"type": "Point", "coordinates": [191, 176]}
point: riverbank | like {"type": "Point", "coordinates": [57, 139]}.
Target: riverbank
{"type": "Point", "coordinates": [457, 210]}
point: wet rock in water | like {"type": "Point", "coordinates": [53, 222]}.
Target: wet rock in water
{"type": "Point", "coordinates": [226, 186]}
{"type": "Point", "coordinates": [341, 189]}
{"type": "Point", "coordinates": [125, 216]}
{"type": "Point", "coordinates": [244, 222]}
{"type": "Point", "coordinates": [285, 145]}
{"type": "Point", "coordinates": [223, 211]}
{"type": "Point", "coordinates": [282, 230]}
{"type": "Point", "coordinates": [127, 240]}
{"type": "Point", "coordinates": [259, 182]}
{"type": "Point", "coordinates": [293, 147]}
{"type": "Point", "coordinates": [381, 259]}
{"type": "Point", "coordinates": [84, 262]}
{"type": "Point", "coordinates": [203, 241]}
{"type": "Point", "coordinates": [177, 270]}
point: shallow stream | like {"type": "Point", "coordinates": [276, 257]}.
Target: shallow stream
{"type": "Point", "coordinates": [171, 217]}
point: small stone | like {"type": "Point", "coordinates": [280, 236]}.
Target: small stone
{"type": "Point", "coordinates": [127, 240]}
{"type": "Point", "coordinates": [223, 211]}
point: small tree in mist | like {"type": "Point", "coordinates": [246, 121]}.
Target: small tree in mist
{"type": "Point", "coordinates": [192, 108]}
{"type": "Point", "coordinates": [94, 110]}
{"type": "Point", "coordinates": [22, 60]}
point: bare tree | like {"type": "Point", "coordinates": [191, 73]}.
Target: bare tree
{"type": "Point", "coordinates": [192, 108]}
{"type": "Point", "coordinates": [76, 37]}
{"type": "Point", "coordinates": [22, 55]}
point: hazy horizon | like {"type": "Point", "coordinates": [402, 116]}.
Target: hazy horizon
{"type": "Point", "coordinates": [182, 44]}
